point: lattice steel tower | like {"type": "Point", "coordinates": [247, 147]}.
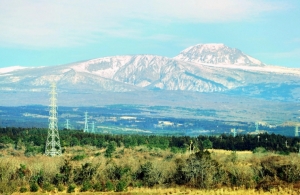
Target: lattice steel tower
{"type": "Point", "coordinates": [93, 127]}
{"type": "Point", "coordinates": [86, 125]}
{"type": "Point", "coordinates": [234, 132]}
{"type": "Point", "coordinates": [53, 147]}
{"type": "Point", "coordinates": [256, 127]}
{"type": "Point", "coordinates": [67, 126]}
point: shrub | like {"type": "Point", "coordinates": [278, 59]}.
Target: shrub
{"type": "Point", "coordinates": [110, 149]}
{"type": "Point", "coordinates": [98, 187]}
{"type": "Point", "coordinates": [138, 184]}
{"type": "Point", "coordinates": [23, 189]}
{"type": "Point", "coordinates": [259, 150]}
{"type": "Point", "coordinates": [86, 173]}
{"type": "Point", "coordinates": [79, 157]}
{"type": "Point", "coordinates": [146, 174]}
{"type": "Point", "coordinates": [109, 186]}
{"type": "Point", "coordinates": [60, 187]}
{"type": "Point", "coordinates": [38, 178]}
{"type": "Point", "coordinates": [121, 186]}
{"type": "Point", "coordinates": [86, 186]}
{"type": "Point", "coordinates": [23, 171]}
{"type": "Point", "coordinates": [65, 174]}
{"type": "Point", "coordinates": [48, 187]}
{"type": "Point", "coordinates": [174, 150]}
{"type": "Point", "coordinates": [34, 187]}
{"type": "Point", "coordinates": [71, 188]}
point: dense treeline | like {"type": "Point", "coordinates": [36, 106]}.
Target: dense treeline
{"type": "Point", "coordinates": [96, 162]}
{"type": "Point", "coordinates": [35, 138]}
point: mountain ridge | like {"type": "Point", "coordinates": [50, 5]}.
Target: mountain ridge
{"type": "Point", "coordinates": [220, 69]}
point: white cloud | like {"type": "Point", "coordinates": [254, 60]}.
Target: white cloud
{"type": "Point", "coordinates": [61, 23]}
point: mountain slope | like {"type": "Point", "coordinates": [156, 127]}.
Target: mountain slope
{"type": "Point", "coordinates": [200, 68]}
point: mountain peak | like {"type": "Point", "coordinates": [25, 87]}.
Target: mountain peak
{"type": "Point", "coordinates": [216, 53]}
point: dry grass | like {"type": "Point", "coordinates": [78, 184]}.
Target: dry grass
{"type": "Point", "coordinates": [134, 157]}
{"type": "Point", "coordinates": [178, 191]}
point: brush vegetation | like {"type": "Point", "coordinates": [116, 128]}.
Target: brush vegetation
{"type": "Point", "coordinates": [132, 164]}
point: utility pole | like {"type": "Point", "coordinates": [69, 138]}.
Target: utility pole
{"type": "Point", "coordinates": [53, 147]}
{"type": "Point", "coordinates": [86, 125]}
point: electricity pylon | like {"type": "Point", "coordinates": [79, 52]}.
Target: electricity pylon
{"type": "Point", "coordinates": [191, 144]}
{"type": "Point", "coordinates": [256, 127]}
{"type": "Point", "coordinates": [234, 132]}
{"type": "Point", "coordinates": [67, 124]}
{"type": "Point", "coordinates": [53, 147]}
{"type": "Point", "coordinates": [296, 131]}
{"type": "Point", "coordinates": [86, 125]}
{"type": "Point", "coordinates": [93, 127]}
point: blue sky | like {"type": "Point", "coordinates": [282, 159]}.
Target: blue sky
{"type": "Point", "coordinates": [45, 33]}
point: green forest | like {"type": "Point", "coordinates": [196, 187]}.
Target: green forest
{"type": "Point", "coordinates": [34, 140]}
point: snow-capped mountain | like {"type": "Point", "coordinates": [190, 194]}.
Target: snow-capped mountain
{"type": "Point", "coordinates": [200, 68]}
{"type": "Point", "coordinates": [216, 54]}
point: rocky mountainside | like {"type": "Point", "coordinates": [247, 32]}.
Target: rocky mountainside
{"type": "Point", "coordinates": [200, 68]}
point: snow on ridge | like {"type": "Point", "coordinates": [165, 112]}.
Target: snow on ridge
{"type": "Point", "coordinates": [11, 69]}
{"type": "Point", "coordinates": [122, 58]}
{"type": "Point", "coordinates": [266, 68]}
{"type": "Point", "coordinates": [204, 45]}
{"type": "Point", "coordinates": [255, 61]}
{"type": "Point", "coordinates": [116, 62]}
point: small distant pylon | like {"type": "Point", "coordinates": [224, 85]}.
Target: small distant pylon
{"type": "Point", "coordinates": [67, 124]}
{"type": "Point", "coordinates": [296, 131]}
{"type": "Point", "coordinates": [234, 132]}
{"type": "Point", "coordinates": [93, 127]}
{"type": "Point", "coordinates": [256, 127]}
{"type": "Point", "coordinates": [191, 147]}
{"type": "Point", "coordinates": [86, 125]}
{"type": "Point", "coordinates": [53, 147]}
